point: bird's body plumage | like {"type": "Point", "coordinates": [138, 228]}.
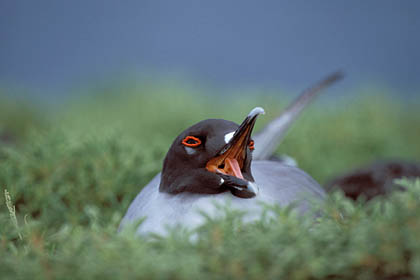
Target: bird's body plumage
{"type": "Point", "coordinates": [210, 164]}
{"type": "Point", "coordinates": [279, 184]}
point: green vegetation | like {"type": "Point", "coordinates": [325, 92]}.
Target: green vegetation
{"type": "Point", "coordinates": [71, 174]}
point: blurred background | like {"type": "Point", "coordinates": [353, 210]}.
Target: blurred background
{"type": "Point", "coordinates": [92, 93]}
{"type": "Point", "coordinates": [54, 49]}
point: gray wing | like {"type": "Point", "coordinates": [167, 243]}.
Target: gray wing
{"type": "Point", "coordinates": [282, 184]}
{"type": "Point", "coordinates": [267, 140]}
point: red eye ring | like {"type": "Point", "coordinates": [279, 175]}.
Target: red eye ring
{"type": "Point", "coordinates": [251, 145]}
{"type": "Point", "coordinates": [196, 142]}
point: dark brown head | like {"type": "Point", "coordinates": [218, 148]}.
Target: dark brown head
{"type": "Point", "coordinates": [212, 156]}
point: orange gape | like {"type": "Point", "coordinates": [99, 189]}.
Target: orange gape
{"type": "Point", "coordinates": [232, 160]}
{"type": "Point", "coordinates": [231, 167]}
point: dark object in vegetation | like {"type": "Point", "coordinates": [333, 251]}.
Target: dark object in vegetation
{"type": "Point", "coordinates": [6, 137]}
{"type": "Point", "coordinates": [374, 179]}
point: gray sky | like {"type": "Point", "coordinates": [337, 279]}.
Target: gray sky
{"type": "Point", "coordinates": [53, 46]}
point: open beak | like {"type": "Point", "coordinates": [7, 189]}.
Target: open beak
{"type": "Point", "coordinates": [230, 159]}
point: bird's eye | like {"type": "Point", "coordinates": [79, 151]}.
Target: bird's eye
{"type": "Point", "coordinates": [191, 141]}
{"type": "Point", "coordinates": [251, 145]}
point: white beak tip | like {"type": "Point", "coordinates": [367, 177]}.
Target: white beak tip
{"type": "Point", "coordinates": [256, 111]}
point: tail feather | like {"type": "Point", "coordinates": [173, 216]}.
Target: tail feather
{"type": "Point", "coordinates": [267, 140]}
